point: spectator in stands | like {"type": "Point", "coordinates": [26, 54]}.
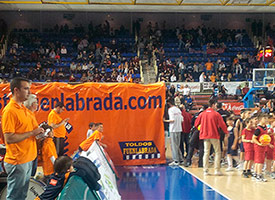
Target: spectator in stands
{"type": "Point", "coordinates": [72, 78]}
{"type": "Point", "coordinates": [196, 67]}
{"type": "Point", "coordinates": [229, 77]}
{"type": "Point", "coordinates": [60, 74]}
{"type": "Point", "coordinates": [245, 89]}
{"type": "Point", "coordinates": [223, 91]}
{"type": "Point", "coordinates": [189, 78]}
{"type": "Point", "coordinates": [202, 77]}
{"type": "Point", "coordinates": [223, 77]}
{"type": "Point", "coordinates": [213, 78]}
{"type": "Point", "coordinates": [85, 67]}
{"type": "Point", "coordinates": [239, 38]}
{"type": "Point", "coordinates": [84, 78]}
{"type": "Point", "coordinates": [63, 50]}
{"type": "Point", "coordinates": [181, 43]}
{"type": "Point", "coordinates": [13, 51]}
{"type": "Point", "coordinates": [172, 90]}
{"type": "Point", "coordinates": [238, 92]}
{"type": "Point", "coordinates": [173, 78]}
{"type": "Point", "coordinates": [186, 91]}
{"type": "Point", "coordinates": [120, 77]}
{"type": "Point", "coordinates": [238, 68]}
{"type": "Point", "coordinates": [72, 67]}
{"type": "Point", "coordinates": [221, 67]}
{"type": "Point", "coordinates": [188, 103]}
{"type": "Point", "coordinates": [34, 56]}
{"type": "Point", "coordinates": [52, 54]}
{"type": "Point", "coordinates": [208, 66]}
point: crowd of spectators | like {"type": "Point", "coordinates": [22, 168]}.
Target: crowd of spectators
{"type": "Point", "coordinates": [73, 55]}
{"type": "Point", "coordinates": [211, 44]}
{"type": "Point", "coordinates": [214, 50]}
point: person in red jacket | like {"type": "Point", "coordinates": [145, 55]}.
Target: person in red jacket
{"type": "Point", "coordinates": [210, 122]}
{"type": "Point", "coordinates": [186, 127]}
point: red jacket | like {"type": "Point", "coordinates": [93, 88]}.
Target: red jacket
{"type": "Point", "coordinates": [186, 123]}
{"type": "Point", "coordinates": [210, 122]}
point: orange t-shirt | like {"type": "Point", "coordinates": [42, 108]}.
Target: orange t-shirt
{"type": "Point", "coordinates": [213, 78]}
{"type": "Point", "coordinates": [17, 119]}
{"type": "Point", "coordinates": [48, 150]}
{"type": "Point", "coordinates": [55, 118]}
{"type": "Point", "coordinates": [85, 145]}
{"type": "Point", "coordinates": [209, 65]}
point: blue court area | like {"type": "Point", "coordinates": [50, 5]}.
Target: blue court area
{"type": "Point", "coordinates": [162, 182]}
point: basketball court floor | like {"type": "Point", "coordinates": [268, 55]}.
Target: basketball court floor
{"type": "Point", "coordinates": [176, 183]}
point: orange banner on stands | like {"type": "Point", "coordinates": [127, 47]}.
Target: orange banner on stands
{"type": "Point", "coordinates": [131, 114]}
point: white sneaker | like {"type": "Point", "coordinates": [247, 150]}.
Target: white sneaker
{"type": "Point", "coordinates": [174, 163]}
{"type": "Point", "coordinates": [229, 169]}
{"type": "Point", "coordinates": [218, 173]}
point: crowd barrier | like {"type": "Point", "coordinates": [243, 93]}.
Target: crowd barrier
{"type": "Point", "coordinates": [206, 86]}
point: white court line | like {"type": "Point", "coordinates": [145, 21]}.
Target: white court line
{"type": "Point", "coordinates": [205, 182]}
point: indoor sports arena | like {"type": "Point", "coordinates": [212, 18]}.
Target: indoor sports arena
{"type": "Point", "coordinates": [137, 99]}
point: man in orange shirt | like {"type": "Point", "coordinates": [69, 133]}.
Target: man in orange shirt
{"type": "Point", "coordinates": [58, 124]}
{"type": "Point", "coordinates": [209, 65]}
{"type": "Point", "coordinates": [19, 134]}
{"type": "Point", "coordinates": [96, 136]}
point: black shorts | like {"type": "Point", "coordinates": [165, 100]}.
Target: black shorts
{"type": "Point", "coordinates": [230, 143]}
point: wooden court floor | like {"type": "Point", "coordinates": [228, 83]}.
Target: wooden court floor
{"type": "Point", "coordinates": [231, 184]}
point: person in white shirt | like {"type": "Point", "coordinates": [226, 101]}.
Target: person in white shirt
{"type": "Point", "coordinates": [186, 90]}
{"type": "Point", "coordinates": [92, 128]}
{"type": "Point", "coordinates": [63, 50]}
{"type": "Point", "coordinates": [202, 77]}
{"type": "Point", "coordinates": [120, 78]}
{"type": "Point", "coordinates": [173, 78]}
{"type": "Point", "coordinates": [84, 67]}
{"type": "Point", "coordinates": [180, 90]}
{"type": "Point", "coordinates": [175, 129]}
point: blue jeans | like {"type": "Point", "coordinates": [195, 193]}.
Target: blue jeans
{"type": "Point", "coordinates": [18, 180]}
